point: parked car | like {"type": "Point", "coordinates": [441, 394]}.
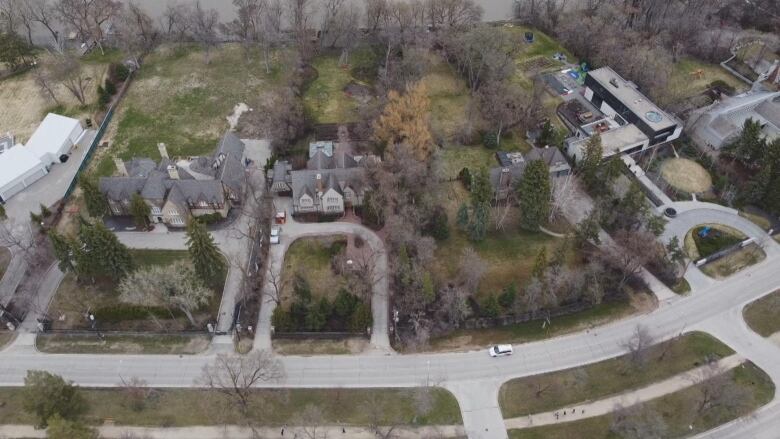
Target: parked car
{"type": "Point", "coordinates": [275, 234]}
{"type": "Point", "coordinates": [500, 350]}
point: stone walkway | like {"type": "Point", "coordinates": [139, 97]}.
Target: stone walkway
{"type": "Point", "coordinates": [577, 412]}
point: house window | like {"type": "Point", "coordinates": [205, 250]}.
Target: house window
{"type": "Point", "coordinates": [156, 210]}
{"type": "Point", "coordinates": [174, 212]}
{"type": "Point", "coordinates": [203, 204]}
{"type": "Point", "coordinates": [333, 200]}
{"type": "Point", "coordinates": [176, 220]}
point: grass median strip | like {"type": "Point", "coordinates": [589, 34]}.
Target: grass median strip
{"type": "Point", "coordinates": [122, 344]}
{"type": "Point", "coordinates": [559, 389]}
{"type": "Point", "coordinates": [188, 407]}
{"type": "Point", "coordinates": [678, 414]}
{"type": "Point", "coordinates": [763, 315]}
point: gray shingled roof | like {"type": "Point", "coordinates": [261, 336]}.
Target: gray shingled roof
{"type": "Point", "coordinates": [306, 180]}
{"type": "Point", "coordinates": [121, 188]}
{"type": "Point", "coordinates": [320, 160]}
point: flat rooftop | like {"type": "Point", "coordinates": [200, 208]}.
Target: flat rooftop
{"type": "Point", "coordinates": [613, 141]}
{"type": "Point", "coordinates": [632, 98]}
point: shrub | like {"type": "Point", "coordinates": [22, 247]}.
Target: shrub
{"type": "Point", "coordinates": [282, 320]}
{"type": "Point", "coordinates": [489, 307]}
{"type": "Point", "coordinates": [723, 86]}
{"type": "Point", "coordinates": [438, 224]}
{"type": "Point", "coordinates": [110, 88]}
{"type": "Point", "coordinates": [344, 305]}
{"type": "Point", "coordinates": [361, 318]}
{"type": "Point", "coordinates": [118, 73]}
{"type": "Point", "coordinates": [507, 297]}
{"type": "Point", "coordinates": [490, 140]}
{"type": "Point", "coordinates": [210, 218]}
{"type": "Point", "coordinates": [121, 312]}
{"type": "Point", "coordinates": [465, 178]}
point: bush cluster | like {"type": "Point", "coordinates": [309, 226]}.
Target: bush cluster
{"type": "Point", "coordinates": [346, 313]}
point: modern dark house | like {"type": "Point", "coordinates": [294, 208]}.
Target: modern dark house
{"type": "Point", "coordinates": [621, 100]}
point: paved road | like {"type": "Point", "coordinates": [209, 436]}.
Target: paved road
{"type": "Point", "coordinates": [12, 277]}
{"type": "Point", "coordinates": [293, 230]}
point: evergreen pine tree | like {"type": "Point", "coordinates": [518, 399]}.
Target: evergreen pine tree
{"type": "Point", "coordinates": [96, 201]}
{"type": "Point", "coordinates": [140, 211]}
{"type": "Point", "coordinates": [204, 253]}
{"type": "Point", "coordinates": [534, 195]}
{"type": "Point", "coordinates": [63, 251]}
{"type": "Point", "coordinates": [102, 252]}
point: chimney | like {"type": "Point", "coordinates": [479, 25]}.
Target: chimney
{"type": "Point", "coordinates": [173, 173]}
{"type": "Point", "coordinates": [319, 183]}
{"type": "Point", "coordinates": [121, 169]}
{"type": "Point", "coordinates": [163, 150]}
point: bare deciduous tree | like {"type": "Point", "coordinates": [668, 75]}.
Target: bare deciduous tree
{"type": "Point", "coordinates": [718, 394]}
{"type": "Point", "coordinates": [175, 21]}
{"type": "Point", "coordinates": [638, 422]}
{"type": "Point", "coordinates": [44, 13]}
{"type": "Point", "coordinates": [472, 269]}
{"type": "Point", "coordinates": [203, 23]}
{"type": "Point", "coordinates": [234, 376]}
{"type": "Point", "coordinates": [300, 13]}
{"type": "Point", "coordinates": [137, 33]}
{"type": "Point", "coordinates": [88, 17]}
{"type": "Point", "coordinates": [638, 346]}
{"type": "Point", "coordinates": [68, 71]}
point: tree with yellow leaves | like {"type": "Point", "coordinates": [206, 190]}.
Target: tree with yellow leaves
{"type": "Point", "coordinates": [405, 120]}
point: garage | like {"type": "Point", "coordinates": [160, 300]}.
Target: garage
{"type": "Point", "coordinates": [54, 137]}
{"type": "Point", "coordinates": [19, 168]}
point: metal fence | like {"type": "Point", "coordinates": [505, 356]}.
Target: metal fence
{"type": "Point", "coordinates": [90, 151]}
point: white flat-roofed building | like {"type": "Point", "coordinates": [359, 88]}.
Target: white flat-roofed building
{"type": "Point", "coordinates": [19, 168]}
{"type": "Point", "coordinates": [54, 137]}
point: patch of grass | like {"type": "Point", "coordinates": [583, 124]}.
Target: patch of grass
{"type": "Point", "coordinates": [718, 238]}
{"type": "Point", "coordinates": [449, 97]}
{"type": "Point", "coordinates": [109, 55]}
{"type": "Point", "coordinates": [763, 315]}
{"type": "Point", "coordinates": [530, 331]}
{"type": "Point", "coordinates": [456, 157]}
{"type": "Point", "coordinates": [124, 344]}
{"type": "Point", "coordinates": [352, 345]}
{"type": "Point", "coordinates": [758, 220]}
{"type": "Point", "coordinates": [311, 259]}
{"type": "Point", "coordinates": [681, 287]}
{"type": "Point", "coordinates": [677, 410]}
{"type": "Point", "coordinates": [734, 262]}
{"type": "Point", "coordinates": [522, 396]}
{"type": "Point", "coordinates": [5, 259]}
{"type": "Point", "coordinates": [684, 85]}
{"type": "Point", "coordinates": [324, 98]}
{"type": "Point", "coordinates": [189, 407]}
{"type": "Point", "coordinates": [6, 337]}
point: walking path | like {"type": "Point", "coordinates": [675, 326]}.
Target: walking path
{"type": "Point", "coordinates": [236, 432]}
{"type": "Point", "coordinates": [576, 412]}
{"type": "Point", "coordinates": [12, 277]}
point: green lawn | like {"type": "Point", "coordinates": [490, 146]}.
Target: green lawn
{"type": "Point", "coordinates": [188, 407]}
{"type": "Point", "coordinates": [125, 344]}
{"type": "Point", "coordinates": [763, 315]}
{"type": "Point", "coordinates": [521, 396]}
{"type": "Point", "coordinates": [536, 57]}
{"type": "Point", "coordinates": [73, 299]}
{"type": "Point", "coordinates": [683, 85]}
{"type": "Point", "coordinates": [718, 239]}
{"type": "Point", "coordinates": [324, 98]}
{"type": "Point", "coordinates": [311, 259]}
{"type": "Point", "coordinates": [178, 99]}
{"type": "Point", "coordinates": [677, 410]}
{"type": "Point", "coordinates": [449, 97]}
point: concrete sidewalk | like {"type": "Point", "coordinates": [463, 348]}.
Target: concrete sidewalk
{"type": "Point", "coordinates": [576, 412]}
{"type": "Point", "coordinates": [236, 432]}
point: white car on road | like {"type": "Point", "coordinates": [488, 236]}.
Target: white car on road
{"type": "Point", "coordinates": [500, 350]}
{"type": "Point", "coordinates": [275, 234]}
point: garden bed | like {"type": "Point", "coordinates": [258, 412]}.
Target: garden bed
{"type": "Point", "coordinates": [733, 262]}
{"type": "Point", "coordinates": [717, 237]}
